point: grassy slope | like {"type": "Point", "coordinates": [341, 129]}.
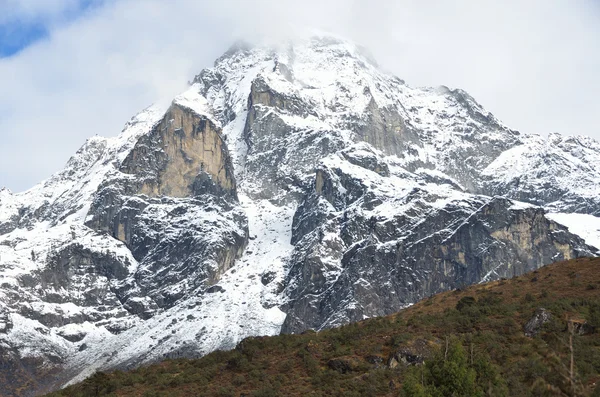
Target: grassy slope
{"type": "Point", "coordinates": [351, 360]}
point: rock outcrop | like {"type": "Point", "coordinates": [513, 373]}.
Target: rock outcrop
{"type": "Point", "coordinates": [366, 245]}
{"type": "Point", "coordinates": [535, 324]}
{"type": "Point", "coordinates": [183, 156]}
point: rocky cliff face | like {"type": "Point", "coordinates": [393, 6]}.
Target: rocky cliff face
{"type": "Point", "coordinates": [368, 241]}
{"type": "Point", "coordinates": [286, 189]}
{"type": "Point", "coordinates": [183, 156]}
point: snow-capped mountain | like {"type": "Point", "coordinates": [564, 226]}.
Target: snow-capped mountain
{"type": "Point", "coordinates": [288, 188]}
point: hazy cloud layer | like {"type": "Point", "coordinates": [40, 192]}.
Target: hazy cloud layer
{"type": "Point", "coordinates": [533, 63]}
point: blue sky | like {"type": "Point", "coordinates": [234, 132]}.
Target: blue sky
{"type": "Point", "coordinates": [16, 35]}
{"type": "Point", "coordinates": [19, 29]}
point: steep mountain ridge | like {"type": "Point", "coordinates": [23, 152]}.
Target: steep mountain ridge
{"type": "Point", "coordinates": [288, 188]}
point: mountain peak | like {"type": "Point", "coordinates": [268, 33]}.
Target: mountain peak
{"type": "Point", "coordinates": [291, 186]}
{"type": "Point", "coordinates": [310, 45]}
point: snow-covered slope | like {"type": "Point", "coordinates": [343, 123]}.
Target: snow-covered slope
{"type": "Point", "coordinates": [561, 173]}
{"type": "Point", "coordinates": [288, 188]}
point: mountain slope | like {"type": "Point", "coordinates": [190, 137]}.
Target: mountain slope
{"type": "Point", "coordinates": [288, 188]}
{"type": "Point", "coordinates": [381, 356]}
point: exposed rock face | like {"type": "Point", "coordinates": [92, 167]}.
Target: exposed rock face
{"type": "Point", "coordinates": [535, 324]}
{"type": "Point", "coordinates": [173, 177]}
{"type": "Point", "coordinates": [583, 328]}
{"type": "Point", "coordinates": [410, 355]}
{"type": "Point", "coordinates": [183, 156]}
{"type": "Point", "coordinates": [285, 190]}
{"type": "Point", "coordinates": [355, 259]}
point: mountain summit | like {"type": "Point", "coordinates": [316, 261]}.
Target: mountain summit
{"type": "Point", "coordinates": [289, 188]}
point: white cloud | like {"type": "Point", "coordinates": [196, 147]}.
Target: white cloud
{"type": "Point", "coordinates": [534, 64]}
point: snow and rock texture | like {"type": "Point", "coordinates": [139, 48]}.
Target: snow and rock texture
{"type": "Point", "coordinates": [288, 188]}
{"type": "Point", "coordinates": [560, 173]}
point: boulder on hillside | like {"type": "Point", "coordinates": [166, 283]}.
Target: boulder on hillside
{"type": "Point", "coordinates": [534, 325]}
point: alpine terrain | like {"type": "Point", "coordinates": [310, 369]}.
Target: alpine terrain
{"type": "Point", "coordinates": [289, 188]}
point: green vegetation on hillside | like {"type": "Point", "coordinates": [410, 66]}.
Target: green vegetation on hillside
{"type": "Point", "coordinates": [468, 342]}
